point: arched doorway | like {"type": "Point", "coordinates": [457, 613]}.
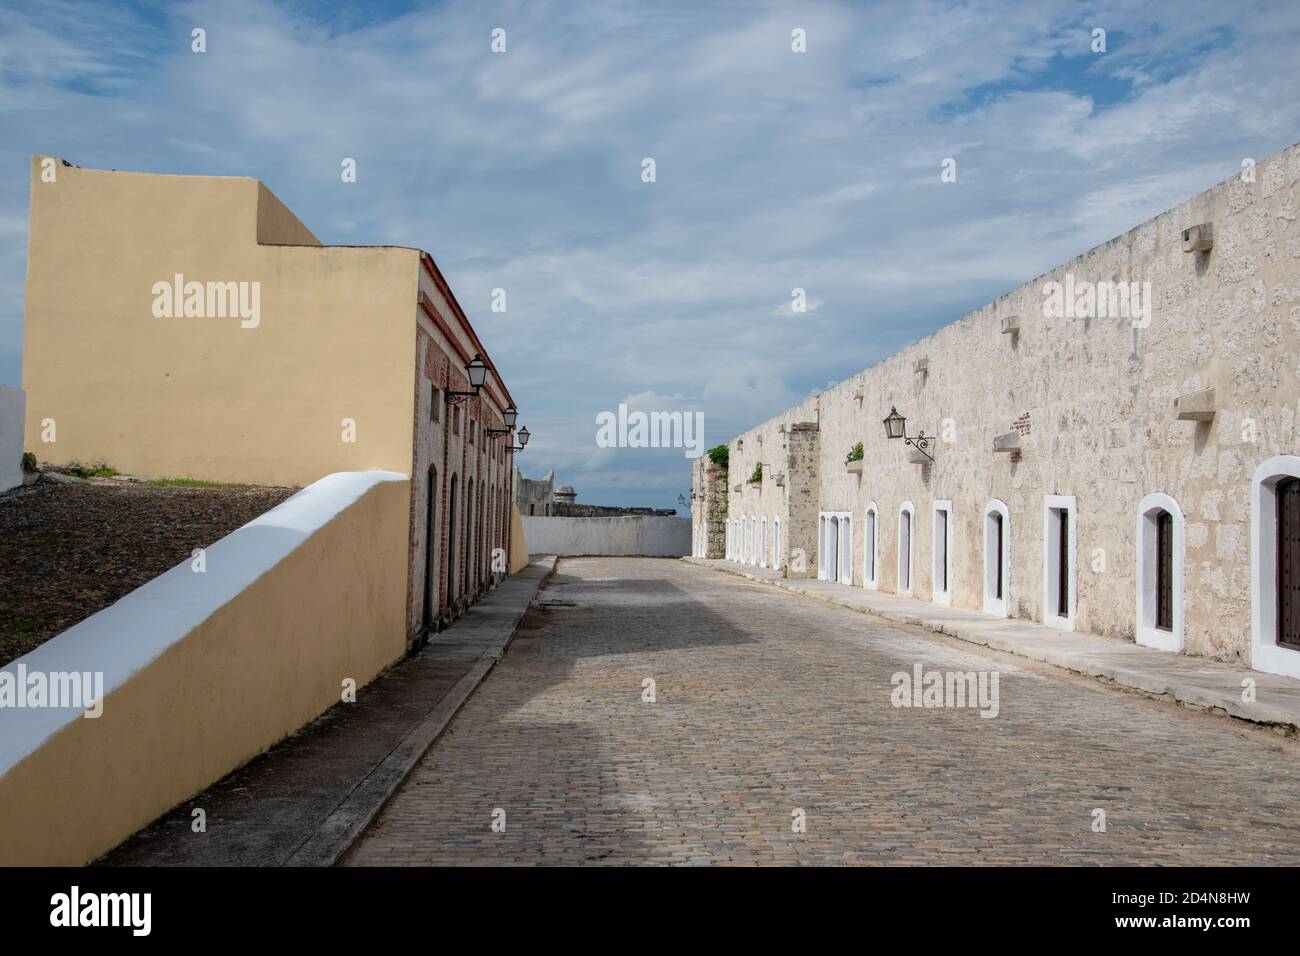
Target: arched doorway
{"type": "Point", "coordinates": [431, 551]}
{"type": "Point", "coordinates": [469, 537]}
{"type": "Point", "coordinates": [451, 540]}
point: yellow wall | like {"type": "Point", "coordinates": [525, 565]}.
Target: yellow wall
{"type": "Point", "coordinates": [255, 671]}
{"type": "Point", "coordinates": [518, 543]}
{"type": "Point", "coordinates": [204, 397]}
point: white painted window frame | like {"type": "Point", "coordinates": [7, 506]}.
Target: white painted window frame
{"type": "Point", "coordinates": [843, 546]}
{"type": "Point", "coordinates": [1053, 503]}
{"type": "Point", "coordinates": [993, 605]}
{"type": "Point", "coordinates": [776, 544]}
{"type": "Point", "coordinates": [845, 562]}
{"type": "Point", "coordinates": [910, 509]}
{"type": "Point", "coordinates": [871, 548]}
{"type": "Point", "coordinates": [1265, 653]}
{"type": "Point", "coordinates": [753, 539]}
{"type": "Point", "coordinates": [943, 597]}
{"type": "Point", "coordinates": [821, 547]}
{"type": "Point", "coordinates": [1147, 633]}
{"type": "Point", "coordinates": [762, 542]}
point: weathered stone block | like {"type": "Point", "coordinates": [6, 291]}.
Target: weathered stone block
{"type": "Point", "coordinates": [1198, 238]}
{"type": "Point", "coordinates": [1196, 406]}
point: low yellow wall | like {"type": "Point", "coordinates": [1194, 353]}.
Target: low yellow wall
{"type": "Point", "coordinates": [254, 671]}
{"type": "Point", "coordinates": [518, 543]}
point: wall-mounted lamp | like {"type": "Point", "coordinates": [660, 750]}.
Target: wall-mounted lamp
{"type": "Point", "coordinates": [511, 415]}
{"type": "Point", "coordinates": [477, 372]}
{"type": "Point", "coordinates": [896, 427]}
{"type": "Point", "coordinates": [523, 440]}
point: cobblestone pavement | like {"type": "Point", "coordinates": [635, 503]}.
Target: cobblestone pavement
{"type": "Point", "coordinates": [768, 703]}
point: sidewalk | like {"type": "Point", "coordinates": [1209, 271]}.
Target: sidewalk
{"type": "Point", "coordinates": [1196, 681]}
{"type": "Point", "coordinates": [306, 800]}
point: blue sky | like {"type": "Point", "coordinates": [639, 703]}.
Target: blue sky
{"type": "Point", "coordinates": [775, 170]}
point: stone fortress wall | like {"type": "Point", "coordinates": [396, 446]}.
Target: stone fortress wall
{"type": "Point", "coordinates": [1194, 402]}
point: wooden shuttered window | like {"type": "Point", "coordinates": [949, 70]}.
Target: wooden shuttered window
{"type": "Point", "coordinates": [1165, 571]}
{"type": "Point", "coordinates": [997, 573]}
{"type": "Point", "coordinates": [1063, 564]}
{"type": "Point", "coordinates": [1288, 563]}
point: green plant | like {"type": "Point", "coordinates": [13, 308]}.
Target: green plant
{"type": "Point", "coordinates": [29, 462]}
{"type": "Point", "coordinates": [757, 476]}
{"type": "Point", "coordinates": [720, 455]}
{"type": "Point", "coordinates": [855, 454]}
{"type": "Point", "coordinates": [100, 470]}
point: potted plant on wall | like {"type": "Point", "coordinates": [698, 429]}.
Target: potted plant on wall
{"type": "Point", "coordinates": [854, 460]}
{"type": "Point", "coordinates": [757, 476]}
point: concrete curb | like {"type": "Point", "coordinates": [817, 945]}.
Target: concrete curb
{"type": "Point", "coordinates": [350, 819]}
{"type": "Point", "coordinates": [1107, 664]}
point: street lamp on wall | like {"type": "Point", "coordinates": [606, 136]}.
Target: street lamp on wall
{"type": "Point", "coordinates": [523, 440]}
{"type": "Point", "coordinates": [896, 427]}
{"type": "Point", "coordinates": [511, 415]}
{"type": "Point", "coordinates": [476, 369]}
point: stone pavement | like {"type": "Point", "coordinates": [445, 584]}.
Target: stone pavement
{"type": "Point", "coordinates": [1195, 681]}
{"type": "Point", "coordinates": [305, 800]}
{"type": "Point", "coordinates": [769, 708]}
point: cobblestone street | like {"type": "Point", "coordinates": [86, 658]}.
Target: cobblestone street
{"type": "Point", "coordinates": [768, 704]}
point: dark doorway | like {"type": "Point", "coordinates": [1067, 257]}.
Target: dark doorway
{"type": "Point", "coordinates": [451, 541]}
{"type": "Point", "coordinates": [1164, 571]}
{"type": "Point", "coordinates": [431, 551]}
{"type": "Point", "coordinates": [1288, 563]}
{"type": "Point", "coordinates": [997, 554]}
{"type": "Point", "coordinates": [469, 535]}
{"type": "Point", "coordinates": [1063, 563]}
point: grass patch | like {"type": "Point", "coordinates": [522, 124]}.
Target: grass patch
{"type": "Point", "coordinates": [184, 483]}
{"type": "Point", "coordinates": [101, 470]}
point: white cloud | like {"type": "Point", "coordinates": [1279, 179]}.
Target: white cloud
{"type": "Point", "coordinates": [776, 170]}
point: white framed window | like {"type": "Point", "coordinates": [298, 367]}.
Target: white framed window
{"type": "Point", "coordinates": [846, 548]}
{"type": "Point", "coordinates": [753, 539]}
{"type": "Point", "coordinates": [1060, 532]}
{"type": "Point", "coordinates": [821, 546]}
{"type": "Point", "coordinates": [941, 553]}
{"type": "Point", "coordinates": [1160, 573]}
{"type": "Point", "coordinates": [1274, 494]}
{"type": "Point", "coordinates": [906, 516]}
{"type": "Point", "coordinates": [871, 548]}
{"type": "Point", "coordinates": [776, 544]}
{"type": "Point", "coordinates": [835, 547]}
{"type": "Point", "coordinates": [762, 543]}
{"type": "Point", "coordinates": [997, 558]}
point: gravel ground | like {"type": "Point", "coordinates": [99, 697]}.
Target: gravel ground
{"type": "Point", "coordinates": [69, 550]}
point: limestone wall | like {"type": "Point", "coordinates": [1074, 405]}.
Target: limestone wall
{"type": "Point", "coordinates": [1093, 402]}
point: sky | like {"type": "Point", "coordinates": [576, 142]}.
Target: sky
{"type": "Point", "coordinates": [774, 169]}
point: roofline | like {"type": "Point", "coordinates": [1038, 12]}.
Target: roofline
{"type": "Point", "coordinates": [435, 274]}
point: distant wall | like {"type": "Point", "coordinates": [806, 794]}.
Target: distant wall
{"type": "Point", "coordinates": [203, 671]}
{"type": "Point", "coordinates": [518, 542]}
{"type": "Point", "coordinates": [647, 536]}
{"type": "Point", "coordinates": [11, 436]}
